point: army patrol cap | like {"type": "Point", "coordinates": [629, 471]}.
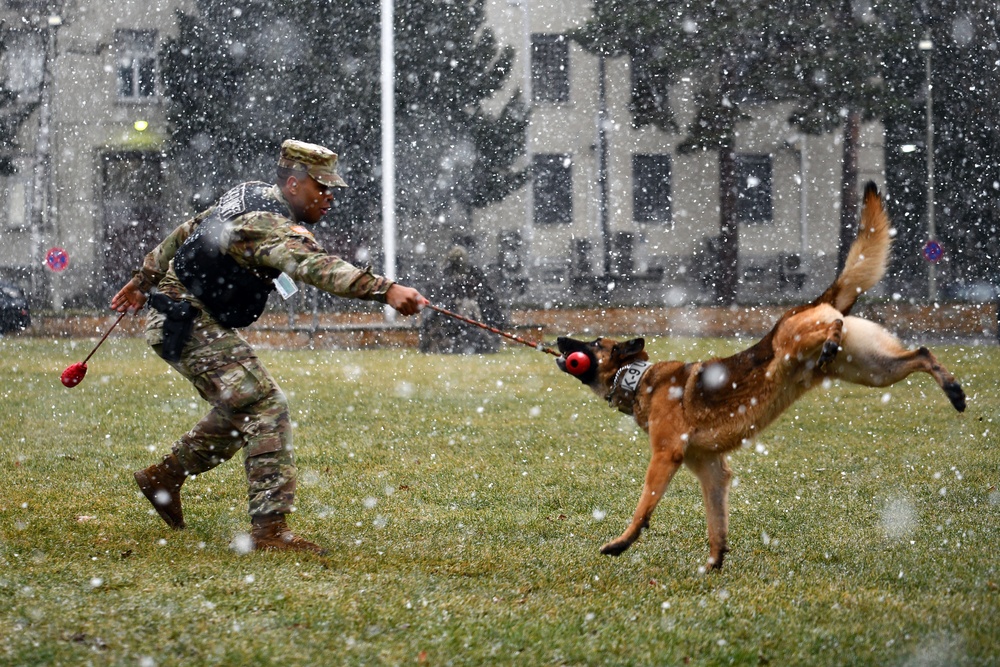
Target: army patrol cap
{"type": "Point", "coordinates": [318, 161]}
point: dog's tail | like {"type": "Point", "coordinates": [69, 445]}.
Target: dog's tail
{"type": "Point", "coordinates": [868, 257]}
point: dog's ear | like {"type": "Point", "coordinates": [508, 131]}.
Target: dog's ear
{"type": "Point", "coordinates": [627, 350]}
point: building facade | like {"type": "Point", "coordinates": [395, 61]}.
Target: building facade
{"type": "Point", "coordinates": [647, 220]}
{"type": "Point", "coordinates": [89, 175]}
{"type": "Point", "coordinates": [609, 205]}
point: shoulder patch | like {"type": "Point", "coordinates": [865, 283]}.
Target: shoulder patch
{"type": "Point", "coordinates": [301, 231]}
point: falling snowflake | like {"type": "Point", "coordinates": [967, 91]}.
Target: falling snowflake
{"type": "Point", "coordinates": [242, 543]}
{"type": "Point", "coordinates": [714, 376]}
{"type": "Point", "coordinates": [899, 518]}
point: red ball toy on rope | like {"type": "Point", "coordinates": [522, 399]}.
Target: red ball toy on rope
{"type": "Point", "coordinates": [577, 363]}
{"type": "Point", "coordinates": [73, 375]}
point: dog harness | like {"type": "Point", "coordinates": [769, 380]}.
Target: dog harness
{"type": "Point", "coordinates": [622, 393]}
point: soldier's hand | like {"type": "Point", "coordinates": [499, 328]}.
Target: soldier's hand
{"type": "Point", "coordinates": [129, 298]}
{"type": "Point", "coordinates": [406, 300]}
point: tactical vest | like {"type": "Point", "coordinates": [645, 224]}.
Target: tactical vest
{"type": "Point", "coordinates": [234, 295]}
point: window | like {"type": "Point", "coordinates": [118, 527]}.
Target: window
{"type": "Point", "coordinates": [549, 68]}
{"type": "Point", "coordinates": [36, 5]}
{"type": "Point", "coordinates": [23, 62]}
{"type": "Point", "coordinates": [651, 189]}
{"type": "Point", "coordinates": [136, 64]}
{"type": "Point", "coordinates": [753, 182]}
{"type": "Point", "coordinates": [650, 103]}
{"type": "Point", "coordinates": [553, 189]}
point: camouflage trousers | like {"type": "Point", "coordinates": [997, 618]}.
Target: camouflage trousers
{"type": "Point", "coordinates": [249, 412]}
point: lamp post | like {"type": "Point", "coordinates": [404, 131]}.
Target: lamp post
{"type": "Point", "coordinates": [528, 229]}
{"type": "Point", "coordinates": [927, 46]}
{"type": "Point", "coordinates": [40, 203]}
{"type": "Point", "coordinates": [602, 162]}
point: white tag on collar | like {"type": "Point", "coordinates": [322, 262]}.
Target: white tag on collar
{"type": "Point", "coordinates": [633, 373]}
{"type": "Point", "coordinates": [286, 286]}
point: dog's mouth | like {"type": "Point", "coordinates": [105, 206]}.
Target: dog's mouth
{"type": "Point", "coordinates": [566, 345]}
{"type": "Point", "coordinates": [576, 359]}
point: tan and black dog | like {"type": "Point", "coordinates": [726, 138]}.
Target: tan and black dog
{"type": "Point", "coordinates": [697, 412]}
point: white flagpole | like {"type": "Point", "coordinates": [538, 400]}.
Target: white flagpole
{"type": "Point", "coordinates": [388, 148]}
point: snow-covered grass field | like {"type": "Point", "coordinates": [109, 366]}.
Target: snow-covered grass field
{"type": "Point", "coordinates": [465, 499]}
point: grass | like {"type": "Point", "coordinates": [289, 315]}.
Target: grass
{"type": "Point", "coordinates": [465, 499]}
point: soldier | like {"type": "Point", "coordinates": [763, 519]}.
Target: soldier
{"type": "Point", "coordinates": [464, 289]}
{"type": "Point", "coordinates": [213, 275]}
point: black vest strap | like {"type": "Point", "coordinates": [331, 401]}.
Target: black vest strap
{"type": "Point", "coordinates": [234, 295]}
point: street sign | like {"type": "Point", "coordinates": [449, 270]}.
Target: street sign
{"type": "Point", "coordinates": [56, 259]}
{"type": "Point", "coordinates": [932, 251]}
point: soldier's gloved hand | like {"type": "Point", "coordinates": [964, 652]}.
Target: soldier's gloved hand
{"type": "Point", "coordinates": [406, 300]}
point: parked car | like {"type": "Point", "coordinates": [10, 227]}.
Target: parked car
{"type": "Point", "coordinates": [978, 291]}
{"type": "Point", "coordinates": [14, 312]}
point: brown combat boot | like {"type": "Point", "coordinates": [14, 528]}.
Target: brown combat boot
{"type": "Point", "coordinates": [161, 484]}
{"type": "Point", "coordinates": [270, 532]}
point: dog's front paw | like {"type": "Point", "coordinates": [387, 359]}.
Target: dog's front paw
{"type": "Point", "coordinates": [615, 548]}
{"type": "Point", "coordinates": [715, 560]}
{"type": "Point", "coordinates": [955, 395]}
{"type": "Point", "coordinates": [827, 354]}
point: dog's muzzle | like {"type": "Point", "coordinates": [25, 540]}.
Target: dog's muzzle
{"type": "Point", "coordinates": [576, 359]}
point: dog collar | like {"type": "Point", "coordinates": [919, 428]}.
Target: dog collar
{"type": "Point", "coordinates": [622, 393]}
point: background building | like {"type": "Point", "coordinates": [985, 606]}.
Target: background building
{"type": "Point", "coordinates": [608, 203]}
{"type": "Point", "coordinates": [89, 173]}
{"type": "Point", "coordinates": [651, 215]}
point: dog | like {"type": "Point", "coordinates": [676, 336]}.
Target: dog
{"type": "Point", "coordinates": [697, 412]}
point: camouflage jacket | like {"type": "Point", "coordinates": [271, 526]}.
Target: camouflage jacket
{"type": "Point", "coordinates": [264, 239]}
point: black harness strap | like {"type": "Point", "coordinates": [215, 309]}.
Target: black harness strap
{"type": "Point", "coordinates": [233, 294]}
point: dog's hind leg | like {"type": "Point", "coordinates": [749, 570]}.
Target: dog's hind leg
{"type": "Point", "coordinates": [812, 336]}
{"type": "Point", "coordinates": [873, 357]}
{"type": "Point", "coordinates": [666, 459]}
{"type": "Point", "coordinates": [831, 344]}
{"type": "Point", "coordinates": [714, 473]}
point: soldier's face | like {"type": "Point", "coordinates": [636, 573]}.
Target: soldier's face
{"type": "Point", "coordinates": [310, 199]}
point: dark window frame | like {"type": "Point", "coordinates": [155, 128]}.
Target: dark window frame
{"type": "Point", "coordinates": [651, 189]}
{"type": "Point", "coordinates": [649, 98]}
{"type": "Point", "coordinates": [549, 68]}
{"type": "Point", "coordinates": [23, 61]}
{"type": "Point", "coordinates": [553, 188]}
{"type": "Point", "coordinates": [137, 73]}
{"type": "Point", "coordinates": [755, 188]}
{"type": "Point", "coordinates": [36, 5]}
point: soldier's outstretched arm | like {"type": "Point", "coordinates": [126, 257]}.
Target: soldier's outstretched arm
{"type": "Point", "coordinates": [265, 240]}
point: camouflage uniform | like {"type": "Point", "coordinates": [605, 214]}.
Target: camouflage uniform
{"type": "Point", "coordinates": [249, 411]}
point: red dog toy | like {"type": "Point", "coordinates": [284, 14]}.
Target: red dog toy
{"type": "Point", "coordinates": [577, 363]}
{"type": "Point", "coordinates": [74, 373]}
